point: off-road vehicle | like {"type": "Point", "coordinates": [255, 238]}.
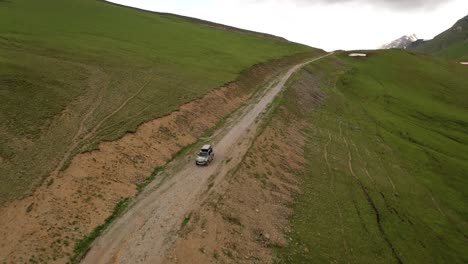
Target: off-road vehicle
{"type": "Point", "coordinates": [205, 156]}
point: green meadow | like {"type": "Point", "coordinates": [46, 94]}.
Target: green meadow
{"type": "Point", "coordinates": [72, 68]}
{"type": "Point", "coordinates": [387, 163]}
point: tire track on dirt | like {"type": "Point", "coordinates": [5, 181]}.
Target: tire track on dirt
{"type": "Point", "coordinates": [372, 205]}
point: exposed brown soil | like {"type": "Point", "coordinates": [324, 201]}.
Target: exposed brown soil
{"type": "Point", "coordinates": [247, 216]}
{"type": "Point", "coordinates": [44, 226]}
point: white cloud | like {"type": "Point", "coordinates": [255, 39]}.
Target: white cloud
{"type": "Point", "coordinates": [392, 4]}
{"type": "Point", "coordinates": [349, 24]}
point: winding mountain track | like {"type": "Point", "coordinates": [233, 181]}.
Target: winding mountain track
{"type": "Point", "coordinates": [149, 228]}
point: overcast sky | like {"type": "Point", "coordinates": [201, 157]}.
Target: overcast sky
{"type": "Point", "coordinates": [326, 24]}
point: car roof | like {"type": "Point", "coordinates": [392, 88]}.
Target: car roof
{"type": "Point", "coordinates": [206, 147]}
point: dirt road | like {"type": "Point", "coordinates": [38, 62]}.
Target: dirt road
{"type": "Point", "coordinates": [148, 229]}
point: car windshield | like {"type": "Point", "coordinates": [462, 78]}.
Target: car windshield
{"type": "Point", "coordinates": [203, 154]}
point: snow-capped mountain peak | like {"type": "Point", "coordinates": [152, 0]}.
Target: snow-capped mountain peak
{"type": "Point", "coordinates": [413, 37]}
{"type": "Point", "coordinates": [401, 43]}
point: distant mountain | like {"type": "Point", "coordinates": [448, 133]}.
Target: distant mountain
{"type": "Point", "coordinates": [401, 43]}
{"type": "Point", "coordinates": [451, 44]}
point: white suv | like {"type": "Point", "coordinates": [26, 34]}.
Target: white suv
{"type": "Point", "coordinates": [205, 156]}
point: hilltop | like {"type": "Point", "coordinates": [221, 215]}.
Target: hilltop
{"type": "Point", "coordinates": [451, 44]}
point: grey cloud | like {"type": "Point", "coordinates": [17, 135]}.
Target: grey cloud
{"type": "Point", "coordinates": [392, 4]}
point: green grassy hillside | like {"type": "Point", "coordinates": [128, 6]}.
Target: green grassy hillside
{"type": "Point", "coordinates": [86, 70]}
{"type": "Point", "coordinates": [387, 163]}
{"type": "Point", "coordinates": [451, 44]}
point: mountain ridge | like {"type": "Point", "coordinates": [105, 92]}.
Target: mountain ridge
{"type": "Point", "coordinates": [451, 44]}
{"type": "Point", "coordinates": [203, 22]}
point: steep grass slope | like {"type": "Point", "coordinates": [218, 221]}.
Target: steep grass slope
{"type": "Point", "coordinates": [76, 72]}
{"type": "Point", "coordinates": [452, 43]}
{"type": "Point", "coordinates": [387, 163]}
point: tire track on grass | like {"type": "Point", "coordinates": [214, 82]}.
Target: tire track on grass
{"type": "Point", "coordinates": [436, 204]}
{"type": "Point", "coordinates": [366, 166]}
{"type": "Point", "coordinates": [96, 128]}
{"type": "Point", "coordinates": [94, 81]}
{"type": "Point", "coordinates": [372, 205]}
{"type": "Point", "coordinates": [75, 145]}
{"type": "Point", "coordinates": [387, 174]}
{"type": "Point", "coordinates": [332, 189]}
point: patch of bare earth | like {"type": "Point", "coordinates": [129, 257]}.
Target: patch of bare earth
{"type": "Point", "coordinates": [70, 204]}
{"type": "Point", "coordinates": [247, 215]}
